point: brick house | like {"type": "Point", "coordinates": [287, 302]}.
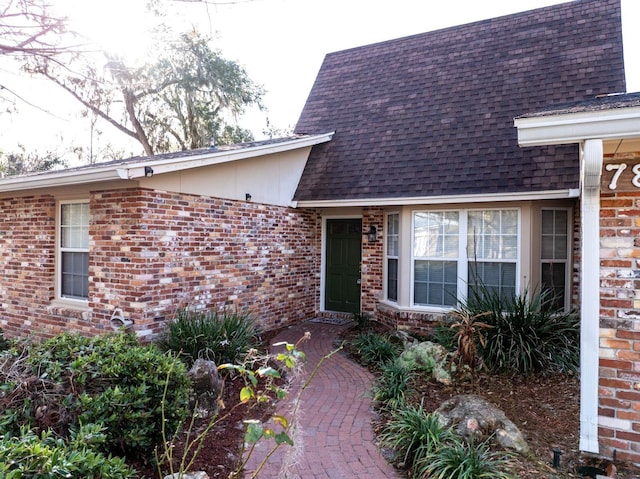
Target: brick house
{"type": "Point", "coordinates": [404, 179]}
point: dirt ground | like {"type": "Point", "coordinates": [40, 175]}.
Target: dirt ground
{"type": "Point", "coordinates": [546, 409]}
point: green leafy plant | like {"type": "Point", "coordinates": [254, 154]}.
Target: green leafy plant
{"type": "Point", "coordinates": [391, 386]}
{"type": "Point", "coordinates": [527, 333]}
{"type": "Point", "coordinates": [223, 337]}
{"type": "Point", "coordinates": [414, 434]}
{"type": "Point", "coordinates": [375, 349]}
{"type": "Point", "coordinates": [461, 460]}
{"type": "Point", "coordinates": [50, 457]}
{"type": "Point", "coordinates": [109, 380]}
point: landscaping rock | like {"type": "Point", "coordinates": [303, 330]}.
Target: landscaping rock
{"type": "Point", "coordinates": [188, 475]}
{"type": "Point", "coordinates": [475, 418]}
{"type": "Point", "coordinates": [429, 357]}
{"type": "Point", "coordinates": [207, 385]}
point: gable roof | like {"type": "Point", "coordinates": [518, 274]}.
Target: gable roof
{"type": "Point", "coordinates": [134, 168]}
{"type": "Point", "coordinates": [432, 114]}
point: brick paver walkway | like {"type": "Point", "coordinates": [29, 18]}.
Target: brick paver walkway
{"type": "Point", "coordinates": [336, 439]}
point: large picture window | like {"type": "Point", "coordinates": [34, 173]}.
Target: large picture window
{"type": "Point", "coordinates": [74, 250]}
{"type": "Point", "coordinates": [457, 250]}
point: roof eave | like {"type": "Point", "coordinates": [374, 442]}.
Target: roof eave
{"type": "Point", "coordinates": [440, 200]}
{"type": "Point", "coordinates": [566, 128]}
{"type": "Point", "coordinates": [137, 170]}
{"type": "Point", "coordinates": [132, 171]}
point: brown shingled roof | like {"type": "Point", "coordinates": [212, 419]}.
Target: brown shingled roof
{"type": "Point", "coordinates": [432, 114]}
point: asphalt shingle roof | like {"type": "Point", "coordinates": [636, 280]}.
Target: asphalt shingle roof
{"type": "Point", "coordinates": [432, 114]}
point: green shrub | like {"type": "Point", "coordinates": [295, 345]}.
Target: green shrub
{"type": "Point", "coordinates": [527, 334]}
{"type": "Point", "coordinates": [375, 349]}
{"type": "Point", "coordinates": [460, 460]}
{"type": "Point", "coordinates": [414, 434]}
{"type": "Point", "coordinates": [113, 381]}
{"type": "Point", "coordinates": [47, 456]}
{"type": "Point", "coordinates": [390, 387]}
{"type": "Point", "coordinates": [221, 337]}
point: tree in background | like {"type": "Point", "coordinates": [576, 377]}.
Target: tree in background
{"type": "Point", "coordinates": [28, 28]}
{"type": "Point", "coordinates": [184, 96]}
{"type": "Point", "coordinates": [22, 162]}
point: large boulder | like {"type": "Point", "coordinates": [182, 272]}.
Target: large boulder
{"type": "Point", "coordinates": [475, 418]}
{"type": "Point", "coordinates": [207, 386]}
{"type": "Point", "coordinates": [430, 358]}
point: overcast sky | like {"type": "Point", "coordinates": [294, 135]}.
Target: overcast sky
{"type": "Point", "coordinates": [281, 43]}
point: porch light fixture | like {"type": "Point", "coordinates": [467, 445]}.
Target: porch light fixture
{"type": "Point", "coordinates": [371, 234]}
{"type": "Point", "coordinates": [247, 196]}
{"type": "Point", "coordinates": [148, 171]}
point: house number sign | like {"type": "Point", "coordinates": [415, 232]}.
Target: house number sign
{"type": "Point", "coordinates": [621, 175]}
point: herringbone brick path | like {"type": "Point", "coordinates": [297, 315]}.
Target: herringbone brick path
{"type": "Point", "coordinates": [335, 440]}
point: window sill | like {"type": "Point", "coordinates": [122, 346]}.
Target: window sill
{"type": "Point", "coordinates": [415, 309]}
{"type": "Point", "coordinates": [64, 307]}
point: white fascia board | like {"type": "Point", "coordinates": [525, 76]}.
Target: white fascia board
{"type": "Point", "coordinates": [132, 171]}
{"type": "Point", "coordinates": [440, 200]}
{"type": "Point", "coordinates": [214, 157]}
{"type": "Point", "coordinates": [575, 127]}
{"type": "Point", "coordinates": [61, 178]}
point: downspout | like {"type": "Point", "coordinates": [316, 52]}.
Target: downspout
{"type": "Point", "coordinates": [591, 168]}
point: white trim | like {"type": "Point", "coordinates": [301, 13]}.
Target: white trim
{"type": "Point", "coordinates": [592, 159]}
{"type": "Point", "coordinates": [132, 171]}
{"type": "Point", "coordinates": [80, 302]}
{"type": "Point", "coordinates": [563, 128]}
{"type": "Point", "coordinates": [387, 257]}
{"type": "Point", "coordinates": [440, 200]}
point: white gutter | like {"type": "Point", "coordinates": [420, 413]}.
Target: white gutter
{"type": "Point", "coordinates": [437, 200]}
{"type": "Point", "coordinates": [130, 171]}
{"type": "Point", "coordinates": [565, 128]}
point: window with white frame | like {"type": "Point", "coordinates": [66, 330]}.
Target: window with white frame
{"type": "Point", "coordinates": [554, 254]}
{"type": "Point", "coordinates": [73, 260]}
{"type": "Point", "coordinates": [454, 251]}
{"type": "Point", "coordinates": [393, 254]}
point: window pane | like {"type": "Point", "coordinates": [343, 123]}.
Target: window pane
{"type": "Point", "coordinates": [393, 231]}
{"type": "Point", "coordinates": [75, 277]}
{"type": "Point", "coordinates": [498, 277]}
{"type": "Point", "coordinates": [554, 280]}
{"type": "Point", "coordinates": [74, 225]}
{"type": "Point", "coordinates": [435, 234]}
{"type": "Point", "coordinates": [435, 282]}
{"type": "Point", "coordinates": [493, 234]}
{"type": "Point", "coordinates": [392, 279]}
{"type": "Point", "coordinates": [555, 234]}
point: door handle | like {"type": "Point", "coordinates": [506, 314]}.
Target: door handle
{"type": "Point", "coordinates": [359, 281]}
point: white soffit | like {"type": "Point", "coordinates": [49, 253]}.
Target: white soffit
{"type": "Point", "coordinates": [575, 127]}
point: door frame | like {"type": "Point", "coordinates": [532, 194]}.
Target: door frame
{"type": "Point", "coordinates": [323, 256]}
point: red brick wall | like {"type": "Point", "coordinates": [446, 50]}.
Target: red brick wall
{"type": "Point", "coordinates": [619, 386]}
{"type": "Point", "coordinates": [26, 263]}
{"type": "Point", "coordinates": [372, 258]}
{"type": "Point", "coordinates": [151, 253]}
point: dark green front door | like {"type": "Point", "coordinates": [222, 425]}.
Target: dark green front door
{"type": "Point", "coordinates": [342, 278]}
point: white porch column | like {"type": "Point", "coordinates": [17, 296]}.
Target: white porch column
{"type": "Point", "coordinates": [591, 170]}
